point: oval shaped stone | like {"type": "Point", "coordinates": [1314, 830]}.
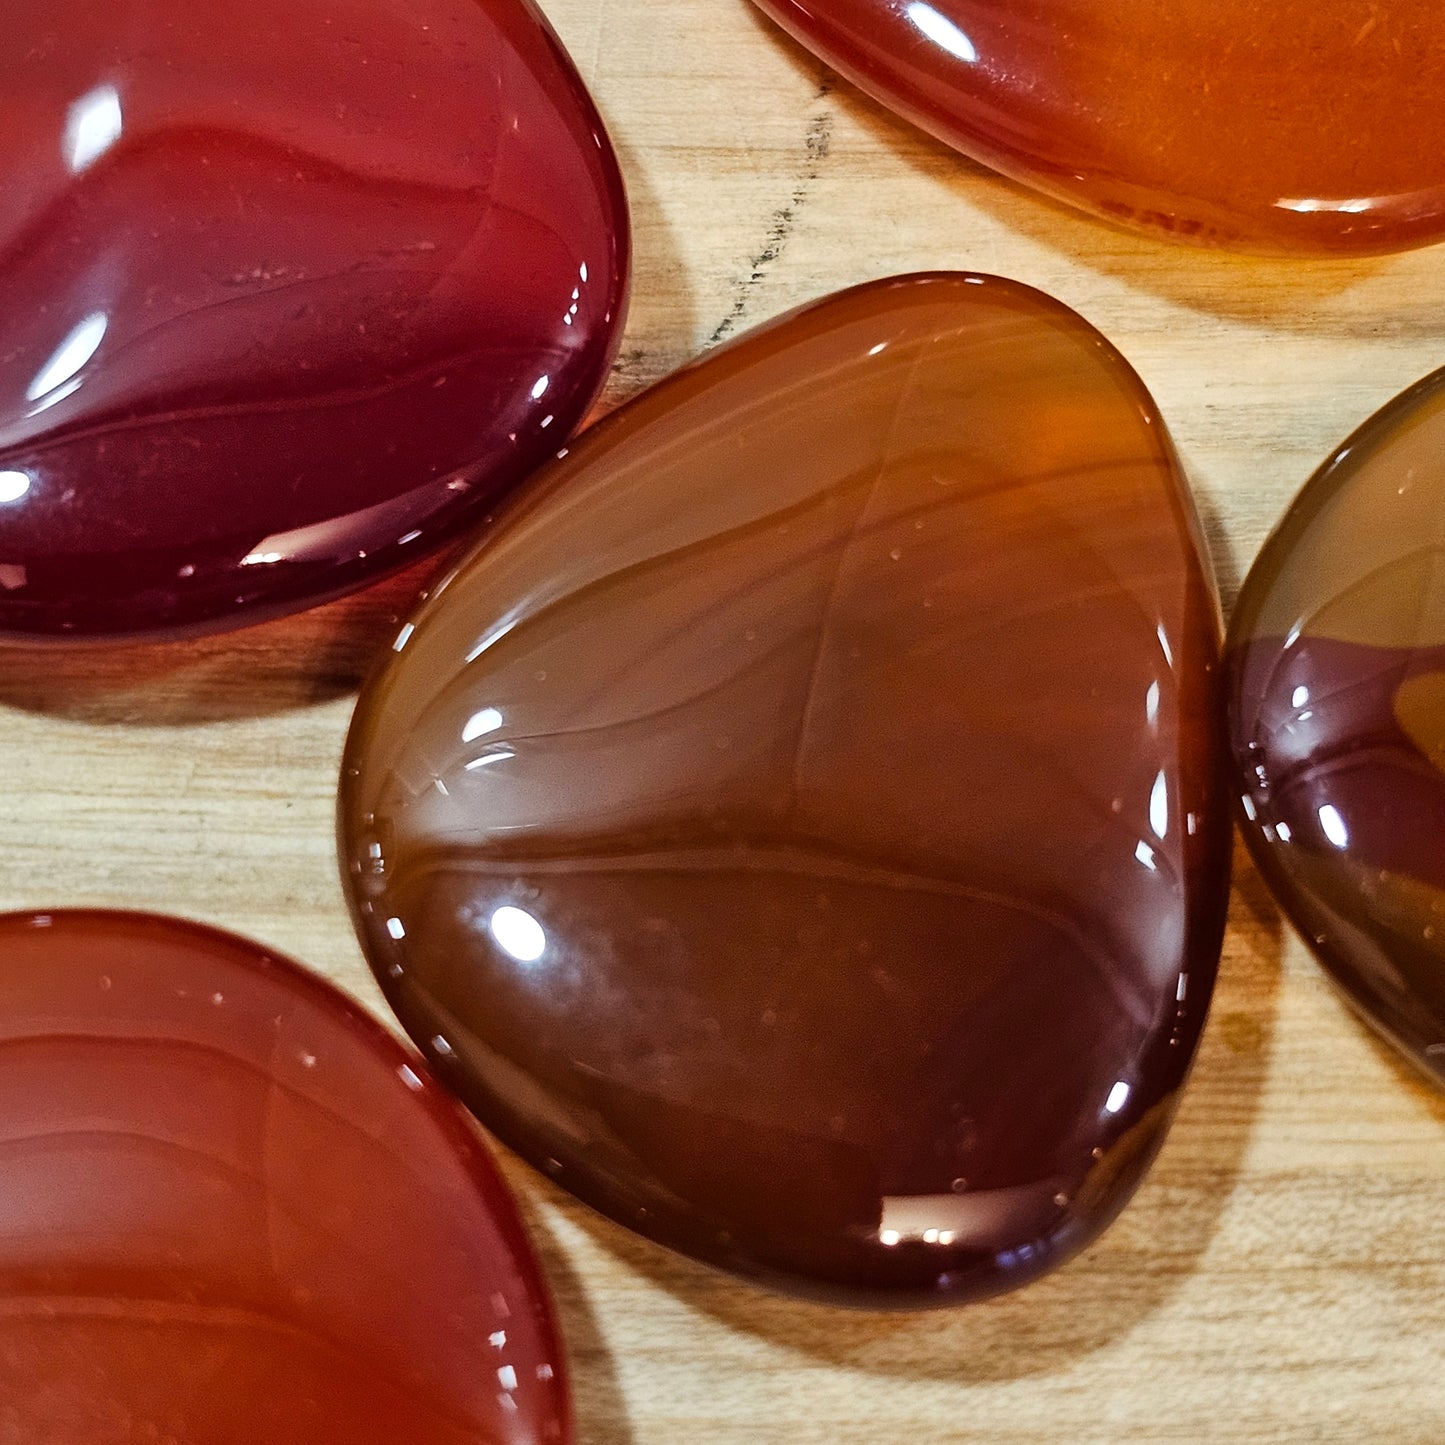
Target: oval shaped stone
{"type": "Point", "coordinates": [1336, 699]}
{"type": "Point", "coordinates": [237, 1210]}
{"type": "Point", "coordinates": [793, 828]}
{"type": "Point", "coordinates": [1292, 126]}
{"type": "Point", "coordinates": [288, 294]}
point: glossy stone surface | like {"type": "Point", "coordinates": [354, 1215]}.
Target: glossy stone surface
{"type": "Point", "coordinates": [288, 293]}
{"type": "Point", "coordinates": [1336, 698]}
{"type": "Point", "coordinates": [236, 1212]}
{"type": "Point", "coordinates": [794, 828]}
{"type": "Point", "coordinates": [1291, 126]}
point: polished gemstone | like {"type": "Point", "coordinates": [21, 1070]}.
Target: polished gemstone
{"type": "Point", "coordinates": [289, 292]}
{"type": "Point", "coordinates": [1336, 695]}
{"type": "Point", "coordinates": [795, 828]}
{"type": "Point", "coordinates": [1291, 126]}
{"type": "Point", "coordinates": [237, 1212]}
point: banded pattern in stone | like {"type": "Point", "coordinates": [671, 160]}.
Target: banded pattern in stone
{"type": "Point", "coordinates": [289, 293]}
{"type": "Point", "coordinates": [796, 827]}
{"type": "Point", "coordinates": [235, 1209]}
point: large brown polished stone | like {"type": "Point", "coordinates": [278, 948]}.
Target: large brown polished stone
{"type": "Point", "coordinates": [795, 827]}
{"type": "Point", "coordinates": [1336, 667]}
{"type": "Point", "coordinates": [289, 292]}
{"type": "Point", "coordinates": [234, 1211]}
{"type": "Point", "coordinates": [1287, 126]}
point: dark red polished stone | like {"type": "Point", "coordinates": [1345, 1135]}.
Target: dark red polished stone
{"type": "Point", "coordinates": [288, 293]}
{"type": "Point", "coordinates": [234, 1211]}
{"type": "Point", "coordinates": [1337, 718]}
{"type": "Point", "coordinates": [796, 828]}
{"type": "Point", "coordinates": [1288, 126]}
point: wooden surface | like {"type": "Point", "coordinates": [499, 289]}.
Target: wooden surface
{"type": "Point", "coordinates": [1281, 1275]}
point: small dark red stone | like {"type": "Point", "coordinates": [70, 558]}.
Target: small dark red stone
{"type": "Point", "coordinates": [237, 1212]}
{"type": "Point", "coordinates": [1336, 668]}
{"type": "Point", "coordinates": [288, 293]}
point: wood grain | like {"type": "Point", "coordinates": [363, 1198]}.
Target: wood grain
{"type": "Point", "coordinates": [1281, 1275]}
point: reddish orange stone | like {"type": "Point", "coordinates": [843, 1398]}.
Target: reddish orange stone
{"type": "Point", "coordinates": [796, 827]}
{"type": "Point", "coordinates": [236, 1212]}
{"type": "Point", "coordinates": [289, 292]}
{"type": "Point", "coordinates": [1289, 126]}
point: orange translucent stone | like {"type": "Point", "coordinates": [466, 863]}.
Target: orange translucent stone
{"type": "Point", "coordinates": [237, 1212]}
{"type": "Point", "coordinates": [795, 828]}
{"type": "Point", "coordinates": [1290, 126]}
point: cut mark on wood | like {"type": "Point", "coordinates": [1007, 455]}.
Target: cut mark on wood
{"type": "Point", "coordinates": [817, 142]}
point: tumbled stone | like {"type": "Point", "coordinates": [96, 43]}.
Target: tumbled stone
{"type": "Point", "coordinates": [793, 828]}
{"type": "Point", "coordinates": [1336, 695]}
{"type": "Point", "coordinates": [236, 1210]}
{"type": "Point", "coordinates": [1293, 126]}
{"type": "Point", "coordinates": [289, 292]}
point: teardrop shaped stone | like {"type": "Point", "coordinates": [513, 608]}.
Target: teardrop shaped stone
{"type": "Point", "coordinates": [289, 292]}
{"type": "Point", "coordinates": [1336, 698]}
{"type": "Point", "coordinates": [793, 828]}
{"type": "Point", "coordinates": [1292, 126]}
{"type": "Point", "coordinates": [235, 1209]}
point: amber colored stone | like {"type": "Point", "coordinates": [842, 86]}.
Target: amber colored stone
{"type": "Point", "coordinates": [1291, 126]}
{"type": "Point", "coordinates": [237, 1212]}
{"type": "Point", "coordinates": [795, 828]}
{"type": "Point", "coordinates": [1336, 698]}
{"type": "Point", "coordinates": [289, 292]}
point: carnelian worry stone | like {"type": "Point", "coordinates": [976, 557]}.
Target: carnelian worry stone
{"type": "Point", "coordinates": [289, 291]}
{"type": "Point", "coordinates": [795, 828]}
{"type": "Point", "coordinates": [1291, 126]}
{"type": "Point", "coordinates": [1336, 696]}
{"type": "Point", "coordinates": [237, 1212]}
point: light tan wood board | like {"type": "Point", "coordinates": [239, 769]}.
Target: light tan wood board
{"type": "Point", "coordinates": [1281, 1275]}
